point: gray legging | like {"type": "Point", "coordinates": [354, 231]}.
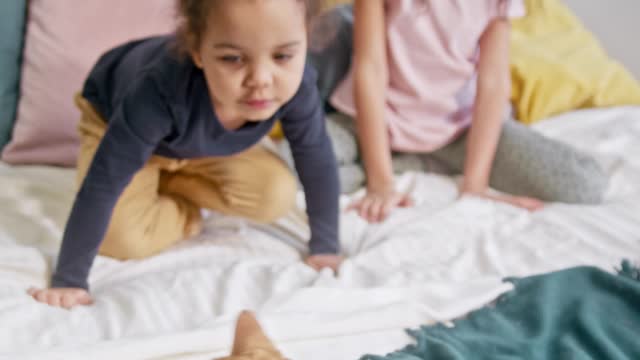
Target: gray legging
{"type": "Point", "coordinates": [529, 164]}
{"type": "Point", "coordinates": [526, 163]}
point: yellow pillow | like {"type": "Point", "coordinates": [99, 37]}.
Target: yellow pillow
{"type": "Point", "coordinates": [557, 65]}
{"type": "Point", "coordinates": [276, 131]}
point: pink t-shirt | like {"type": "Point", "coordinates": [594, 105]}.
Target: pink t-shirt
{"type": "Point", "coordinates": [432, 51]}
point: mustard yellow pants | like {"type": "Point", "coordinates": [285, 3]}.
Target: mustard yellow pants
{"type": "Point", "coordinates": [161, 205]}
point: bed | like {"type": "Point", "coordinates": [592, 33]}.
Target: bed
{"type": "Point", "coordinates": [428, 264]}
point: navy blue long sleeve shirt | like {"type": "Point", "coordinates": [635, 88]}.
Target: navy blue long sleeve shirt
{"type": "Point", "coordinates": [158, 103]}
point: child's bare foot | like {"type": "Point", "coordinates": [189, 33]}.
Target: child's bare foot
{"type": "Point", "coordinates": [62, 297]}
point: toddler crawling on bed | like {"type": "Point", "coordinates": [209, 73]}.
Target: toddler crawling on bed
{"type": "Point", "coordinates": [173, 124]}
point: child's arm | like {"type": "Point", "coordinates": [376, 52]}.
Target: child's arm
{"type": "Point", "coordinates": [135, 129]}
{"type": "Point", "coordinates": [493, 92]}
{"type": "Point", "coordinates": [303, 124]}
{"type": "Point", "coordinates": [370, 83]}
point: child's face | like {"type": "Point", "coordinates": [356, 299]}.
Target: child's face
{"type": "Point", "coordinates": [253, 55]}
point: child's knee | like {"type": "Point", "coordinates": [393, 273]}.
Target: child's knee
{"type": "Point", "coordinates": [125, 245]}
{"type": "Point", "coordinates": [132, 235]}
{"type": "Point", "coordinates": [594, 183]}
{"type": "Point", "coordinates": [277, 197]}
{"type": "Point", "coordinates": [138, 243]}
{"type": "Point", "coordinates": [589, 183]}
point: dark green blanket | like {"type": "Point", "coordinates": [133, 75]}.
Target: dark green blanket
{"type": "Point", "coordinates": [579, 313]}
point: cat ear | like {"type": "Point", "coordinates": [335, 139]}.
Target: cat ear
{"type": "Point", "coordinates": [250, 337]}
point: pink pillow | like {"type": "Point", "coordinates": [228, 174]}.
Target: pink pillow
{"type": "Point", "coordinates": [64, 39]}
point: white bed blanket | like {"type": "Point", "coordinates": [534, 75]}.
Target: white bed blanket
{"type": "Point", "coordinates": [431, 263]}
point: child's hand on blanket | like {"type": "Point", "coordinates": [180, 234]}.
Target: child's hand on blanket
{"type": "Point", "coordinates": [62, 297]}
{"type": "Point", "coordinates": [318, 262]}
{"type": "Point", "coordinates": [376, 205]}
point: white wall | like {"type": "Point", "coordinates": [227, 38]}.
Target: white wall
{"type": "Point", "coordinates": [616, 23]}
